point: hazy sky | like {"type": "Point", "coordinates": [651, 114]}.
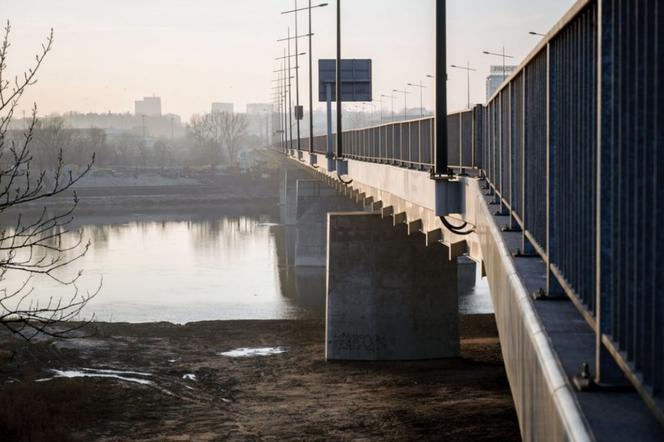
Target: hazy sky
{"type": "Point", "coordinates": [193, 52]}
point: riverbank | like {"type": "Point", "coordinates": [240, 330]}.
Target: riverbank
{"type": "Point", "coordinates": [154, 193]}
{"type": "Point", "coordinates": [176, 385]}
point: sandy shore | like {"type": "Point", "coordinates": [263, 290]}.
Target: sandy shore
{"type": "Point", "coordinates": [167, 382]}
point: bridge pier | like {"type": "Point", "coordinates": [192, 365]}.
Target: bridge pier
{"type": "Point", "coordinates": [389, 297]}
{"type": "Point", "coordinates": [313, 200]}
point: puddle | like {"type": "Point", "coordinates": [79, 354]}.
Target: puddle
{"type": "Point", "coordinates": [246, 352]}
{"type": "Point", "coordinates": [109, 371]}
{"type": "Point", "coordinates": [189, 377]}
{"type": "Point", "coordinates": [100, 373]}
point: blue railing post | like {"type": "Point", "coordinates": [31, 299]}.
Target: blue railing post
{"type": "Point", "coordinates": [553, 287]}
{"type": "Point", "coordinates": [606, 370]}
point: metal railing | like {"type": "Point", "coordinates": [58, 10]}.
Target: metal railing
{"type": "Point", "coordinates": [572, 146]}
{"type": "Point", "coordinates": [407, 143]}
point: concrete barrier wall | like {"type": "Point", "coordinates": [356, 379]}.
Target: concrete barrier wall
{"type": "Point", "coordinates": [543, 396]}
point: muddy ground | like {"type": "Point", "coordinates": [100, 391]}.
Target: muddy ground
{"type": "Point", "coordinates": [295, 395]}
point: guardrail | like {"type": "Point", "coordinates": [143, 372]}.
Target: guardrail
{"type": "Point", "coordinates": [572, 145]}
{"type": "Point", "coordinates": [407, 143]}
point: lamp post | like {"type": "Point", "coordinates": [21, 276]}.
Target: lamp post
{"type": "Point", "coordinates": [282, 102]}
{"type": "Point", "coordinates": [391, 97]}
{"type": "Point", "coordinates": [373, 111]}
{"type": "Point", "coordinates": [500, 55]}
{"type": "Point", "coordinates": [440, 125]}
{"type": "Point", "coordinates": [276, 98]}
{"type": "Point", "coordinates": [338, 84]}
{"type": "Point", "coordinates": [380, 104]}
{"type": "Point", "coordinates": [297, 83]}
{"type": "Point", "coordinates": [419, 85]}
{"type": "Point", "coordinates": [290, 94]}
{"type": "Point", "coordinates": [405, 103]}
{"type": "Point", "coordinates": [311, 99]}
{"type": "Point", "coordinates": [466, 68]}
{"type": "Point", "coordinates": [537, 33]}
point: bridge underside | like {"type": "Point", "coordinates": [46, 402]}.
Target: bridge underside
{"type": "Point", "coordinates": [543, 343]}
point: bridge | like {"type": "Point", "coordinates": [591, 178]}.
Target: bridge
{"type": "Point", "coordinates": [552, 187]}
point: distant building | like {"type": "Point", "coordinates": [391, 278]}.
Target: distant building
{"type": "Point", "coordinates": [496, 77]}
{"type": "Point", "coordinates": [222, 107]}
{"type": "Point", "coordinates": [259, 116]}
{"type": "Point", "coordinates": [148, 106]}
{"type": "Point", "coordinates": [259, 109]}
{"type": "Point", "coordinates": [158, 126]}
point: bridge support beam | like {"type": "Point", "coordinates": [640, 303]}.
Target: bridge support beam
{"type": "Point", "coordinates": [389, 297]}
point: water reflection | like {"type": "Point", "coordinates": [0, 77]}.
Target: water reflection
{"type": "Point", "coordinates": [167, 268]}
{"type": "Point", "coordinates": [205, 266]}
{"type": "Point", "coordinates": [474, 294]}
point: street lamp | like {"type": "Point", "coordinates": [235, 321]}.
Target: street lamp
{"type": "Point", "coordinates": [500, 55]}
{"type": "Point", "coordinates": [405, 104]}
{"type": "Point", "coordinates": [536, 33]}
{"type": "Point", "coordinates": [284, 95]}
{"type": "Point", "coordinates": [380, 104]}
{"type": "Point", "coordinates": [281, 91]}
{"type": "Point", "coordinates": [466, 68]}
{"type": "Point", "coordinates": [337, 78]}
{"type": "Point", "coordinates": [433, 80]}
{"type": "Point", "coordinates": [421, 88]}
{"type": "Point", "coordinates": [293, 37]}
{"type": "Point", "coordinates": [297, 83]}
{"type": "Point", "coordinates": [391, 97]}
{"type": "Point", "coordinates": [290, 56]}
{"type": "Point", "coordinates": [311, 99]}
{"type": "Point", "coordinates": [290, 95]}
{"type": "Point", "coordinates": [304, 9]}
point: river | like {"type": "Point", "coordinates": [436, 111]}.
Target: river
{"type": "Point", "coordinates": [206, 265]}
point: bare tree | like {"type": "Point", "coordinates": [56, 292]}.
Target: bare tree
{"type": "Point", "coordinates": [217, 131]}
{"type": "Point", "coordinates": [51, 136]}
{"type": "Point", "coordinates": [232, 127]}
{"type": "Point", "coordinates": [32, 246]}
{"type": "Point", "coordinates": [205, 133]}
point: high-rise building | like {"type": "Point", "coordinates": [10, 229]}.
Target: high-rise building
{"type": "Point", "coordinates": [496, 77]}
{"type": "Point", "coordinates": [222, 107]}
{"type": "Point", "coordinates": [148, 106]}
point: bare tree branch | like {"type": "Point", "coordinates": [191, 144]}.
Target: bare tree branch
{"type": "Point", "coordinates": [44, 245]}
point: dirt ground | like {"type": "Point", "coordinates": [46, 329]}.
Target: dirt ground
{"type": "Point", "coordinates": [294, 395]}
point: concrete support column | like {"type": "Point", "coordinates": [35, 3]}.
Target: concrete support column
{"type": "Point", "coordinates": [389, 297]}
{"type": "Point", "coordinates": [313, 201]}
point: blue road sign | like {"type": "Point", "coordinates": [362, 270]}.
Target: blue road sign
{"type": "Point", "coordinates": [355, 79]}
